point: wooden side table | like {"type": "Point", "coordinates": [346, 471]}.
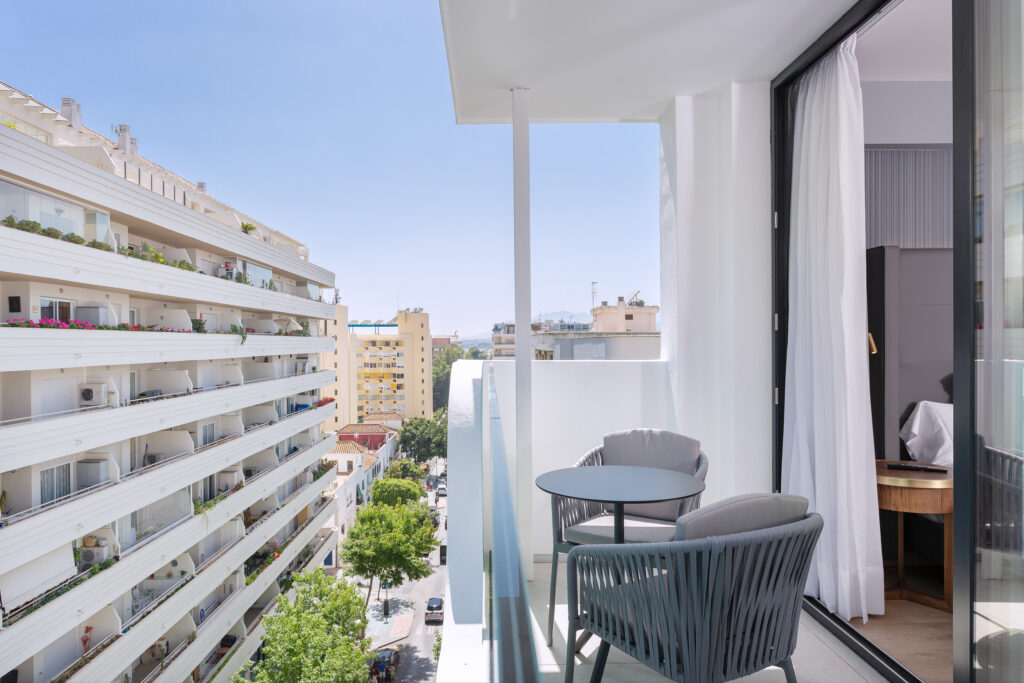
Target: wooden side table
{"type": "Point", "coordinates": [928, 493]}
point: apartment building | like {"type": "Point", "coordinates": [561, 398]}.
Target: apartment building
{"type": "Point", "coordinates": [625, 330]}
{"type": "Point", "coordinates": [440, 343]}
{"type": "Point", "coordinates": [162, 412]}
{"type": "Point", "coordinates": [338, 359]}
{"type": "Point", "coordinates": [392, 368]}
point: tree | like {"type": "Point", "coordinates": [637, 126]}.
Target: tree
{"type": "Point", "coordinates": [442, 373]}
{"type": "Point", "coordinates": [404, 469]}
{"type": "Point", "coordinates": [395, 491]}
{"type": "Point", "coordinates": [316, 638]}
{"type": "Point", "coordinates": [422, 438]}
{"type": "Point", "coordinates": [473, 353]}
{"type": "Point", "coordinates": [388, 542]}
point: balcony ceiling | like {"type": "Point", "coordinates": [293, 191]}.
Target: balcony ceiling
{"type": "Point", "coordinates": [617, 60]}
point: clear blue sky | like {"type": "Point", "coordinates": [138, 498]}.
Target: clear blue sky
{"type": "Point", "coordinates": [332, 121]}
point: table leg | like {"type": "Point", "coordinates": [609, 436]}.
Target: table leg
{"type": "Point", "coordinates": [620, 523]}
{"type": "Point", "coordinates": [901, 579]}
{"type": "Point", "coordinates": [947, 560]}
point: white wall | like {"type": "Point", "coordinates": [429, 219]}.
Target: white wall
{"type": "Point", "coordinates": [907, 112]}
{"type": "Point", "coordinates": [716, 240]}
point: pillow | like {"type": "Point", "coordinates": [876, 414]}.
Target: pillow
{"type": "Point", "coordinates": [652, 448]}
{"type": "Point", "coordinates": [748, 512]}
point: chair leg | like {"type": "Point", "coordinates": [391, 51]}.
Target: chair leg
{"type": "Point", "coordinates": [570, 654]}
{"type": "Point", "coordinates": [787, 666]}
{"type": "Point", "coordinates": [551, 596]}
{"type": "Point", "coordinates": [602, 657]}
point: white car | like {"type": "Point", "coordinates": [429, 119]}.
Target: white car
{"type": "Point", "coordinates": [442, 490]}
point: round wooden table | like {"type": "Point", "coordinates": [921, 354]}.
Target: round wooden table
{"type": "Point", "coordinates": [926, 493]}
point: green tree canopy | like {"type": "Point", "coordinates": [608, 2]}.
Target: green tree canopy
{"type": "Point", "coordinates": [316, 638]}
{"type": "Point", "coordinates": [422, 438]}
{"type": "Point", "coordinates": [395, 491]}
{"type": "Point", "coordinates": [404, 468]}
{"type": "Point", "coordinates": [389, 542]}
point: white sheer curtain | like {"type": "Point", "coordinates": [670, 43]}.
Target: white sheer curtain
{"type": "Point", "coordinates": [827, 452]}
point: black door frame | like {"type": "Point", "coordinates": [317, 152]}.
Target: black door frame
{"type": "Point", "coordinates": [782, 106]}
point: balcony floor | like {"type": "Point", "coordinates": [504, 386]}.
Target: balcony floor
{"type": "Point", "coordinates": [819, 655]}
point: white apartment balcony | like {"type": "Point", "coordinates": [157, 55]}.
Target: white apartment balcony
{"type": "Point", "coordinates": [214, 630]}
{"type": "Point", "coordinates": [33, 533]}
{"type": "Point", "coordinates": [23, 348]}
{"type": "Point", "coordinates": [52, 167]}
{"type": "Point", "coordinates": [34, 257]}
{"type": "Point", "coordinates": [325, 542]}
{"type": "Point", "coordinates": [109, 663]}
{"type": "Point", "coordinates": [79, 431]}
{"type": "Point", "coordinates": [34, 630]}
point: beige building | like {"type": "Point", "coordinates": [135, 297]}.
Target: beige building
{"type": "Point", "coordinates": [632, 317]}
{"type": "Point", "coordinates": [340, 361]}
{"type": "Point", "coordinates": [392, 368]}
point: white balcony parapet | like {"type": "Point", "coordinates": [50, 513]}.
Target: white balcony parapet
{"type": "Point", "coordinates": [214, 630]}
{"type": "Point", "coordinates": [51, 167]}
{"type": "Point", "coordinates": [45, 531]}
{"type": "Point", "coordinates": [109, 663]}
{"type": "Point", "coordinates": [73, 433]}
{"type": "Point", "coordinates": [35, 631]}
{"type": "Point", "coordinates": [35, 257]}
{"type": "Point", "coordinates": [26, 348]}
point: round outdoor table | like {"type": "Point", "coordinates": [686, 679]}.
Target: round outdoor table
{"type": "Point", "coordinates": [620, 486]}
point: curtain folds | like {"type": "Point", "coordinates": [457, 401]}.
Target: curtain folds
{"type": "Point", "coordinates": [828, 453]}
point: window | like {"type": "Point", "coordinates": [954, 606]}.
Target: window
{"type": "Point", "coordinates": [133, 316]}
{"type": "Point", "coordinates": [14, 304]}
{"type": "Point", "coordinates": [629, 316]}
{"type": "Point", "coordinates": [54, 483]}
{"type": "Point", "coordinates": [55, 309]}
{"type": "Point", "coordinates": [207, 434]}
{"type": "Point", "coordinates": [133, 385]}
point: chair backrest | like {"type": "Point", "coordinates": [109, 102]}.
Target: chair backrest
{"type": "Point", "coordinates": [652, 448]}
{"type": "Point", "coordinates": [708, 609]}
{"type": "Point", "coordinates": [748, 512]}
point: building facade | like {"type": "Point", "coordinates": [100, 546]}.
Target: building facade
{"type": "Point", "coordinates": [161, 411]}
{"type": "Point", "coordinates": [392, 366]}
{"type": "Point", "coordinates": [338, 359]}
{"type": "Point", "coordinates": [439, 344]}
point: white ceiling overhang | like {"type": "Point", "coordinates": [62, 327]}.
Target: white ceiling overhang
{"type": "Point", "coordinates": [617, 60]}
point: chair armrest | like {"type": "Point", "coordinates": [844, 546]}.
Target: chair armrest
{"type": "Point", "coordinates": [693, 502]}
{"type": "Point", "coordinates": [568, 511]}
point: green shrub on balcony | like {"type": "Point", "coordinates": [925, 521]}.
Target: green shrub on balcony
{"type": "Point", "coordinates": [50, 232]}
{"type": "Point", "coordinates": [248, 228]}
{"type": "Point", "coordinates": [199, 325]}
{"type": "Point", "coordinates": [96, 244]}
{"type": "Point", "coordinates": [72, 237]}
{"type": "Point", "coordinates": [9, 221]}
{"type": "Point", "coordinates": [242, 278]}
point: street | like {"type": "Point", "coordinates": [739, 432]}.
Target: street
{"type": "Point", "coordinates": [404, 627]}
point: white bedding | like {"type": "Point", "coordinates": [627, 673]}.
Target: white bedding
{"type": "Point", "coordinates": [928, 433]}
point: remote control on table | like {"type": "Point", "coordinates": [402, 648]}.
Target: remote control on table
{"type": "Point", "coordinates": [916, 466]}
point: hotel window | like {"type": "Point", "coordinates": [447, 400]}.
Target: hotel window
{"type": "Point", "coordinates": [54, 483]}
{"type": "Point", "coordinates": [629, 316]}
{"type": "Point", "coordinates": [208, 434]}
{"type": "Point", "coordinates": [56, 309]}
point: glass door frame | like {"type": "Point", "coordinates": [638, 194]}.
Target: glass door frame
{"type": "Point", "coordinates": [782, 111]}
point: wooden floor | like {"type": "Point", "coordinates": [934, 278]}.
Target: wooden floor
{"type": "Point", "coordinates": [919, 637]}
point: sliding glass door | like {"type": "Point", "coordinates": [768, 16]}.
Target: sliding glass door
{"type": "Point", "coordinates": [998, 446]}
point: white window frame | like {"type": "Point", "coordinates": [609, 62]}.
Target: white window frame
{"type": "Point", "coordinates": [51, 473]}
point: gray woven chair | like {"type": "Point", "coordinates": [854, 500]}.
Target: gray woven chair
{"type": "Point", "coordinates": [721, 603]}
{"type": "Point", "coordinates": [576, 522]}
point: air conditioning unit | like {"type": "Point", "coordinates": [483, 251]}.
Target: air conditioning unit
{"type": "Point", "coordinates": [92, 394]}
{"type": "Point", "coordinates": [93, 556]}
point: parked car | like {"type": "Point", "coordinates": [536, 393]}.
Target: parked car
{"type": "Point", "coordinates": [435, 611]}
{"type": "Point", "coordinates": [385, 666]}
{"type": "Point", "coordinates": [442, 490]}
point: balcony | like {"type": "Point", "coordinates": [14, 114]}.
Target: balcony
{"type": "Point", "coordinates": [34, 257]}
{"type": "Point", "coordinates": [34, 532]}
{"type": "Point", "coordinates": [51, 167]}
{"type": "Point", "coordinates": [108, 664]}
{"type": "Point", "coordinates": [35, 630]}
{"type": "Point", "coordinates": [83, 430]}
{"type": "Point", "coordinates": [23, 348]}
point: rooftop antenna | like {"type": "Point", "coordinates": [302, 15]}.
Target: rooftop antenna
{"type": "Point", "coordinates": [593, 293]}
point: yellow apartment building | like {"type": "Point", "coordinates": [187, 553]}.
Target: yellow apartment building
{"type": "Point", "coordinates": [392, 368]}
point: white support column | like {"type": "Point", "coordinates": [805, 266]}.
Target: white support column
{"type": "Point", "coordinates": [524, 352]}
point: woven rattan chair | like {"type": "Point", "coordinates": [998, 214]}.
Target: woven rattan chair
{"type": "Point", "coordinates": [576, 522]}
{"type": "Point", "coordinates": [712, 607]}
